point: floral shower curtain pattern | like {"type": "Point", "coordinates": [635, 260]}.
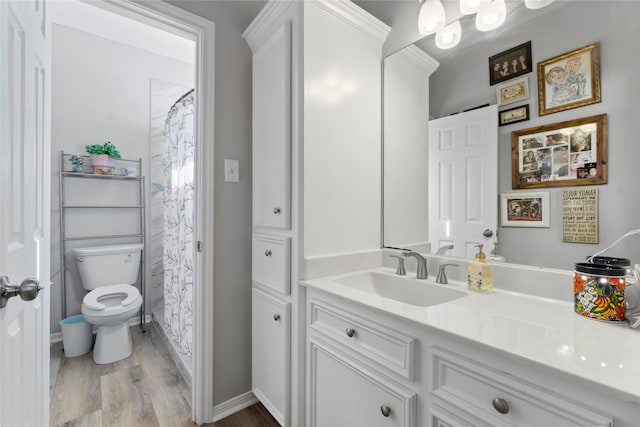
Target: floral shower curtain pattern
{"type": "Point", "coordinates": [178, 262]}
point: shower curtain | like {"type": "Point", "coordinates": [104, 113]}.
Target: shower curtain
{"type": "Point", "coordinates": [178, 171]}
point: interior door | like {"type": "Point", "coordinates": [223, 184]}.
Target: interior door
{"type": "Point", "coordinates": [463, 181]}
{"type": "Point", "coordinates": [24, 208]}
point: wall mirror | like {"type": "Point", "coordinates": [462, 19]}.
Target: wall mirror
{"type": "Point", "coordinates": [461, 81]}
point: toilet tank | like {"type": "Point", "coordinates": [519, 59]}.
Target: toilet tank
{"type": "Point", "coordinates": [108, 265]}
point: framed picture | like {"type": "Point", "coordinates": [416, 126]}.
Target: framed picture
{"type": "Point", "coordinates": [570, 80]}
{"type": "Point", "coordinates": [513, 115]}
{"type": "Point", "coordinates": [524, 209]}
{"type": "Point", "coordinates": [510, 63]}
{"type": "Point", "coordinates": [513, 91]}
{"type": "Point", "coordinates": [560, 154]}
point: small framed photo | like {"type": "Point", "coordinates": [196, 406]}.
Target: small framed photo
{"type": "Point", "coordinates": [510, 63]}
{"type": "Point", "coordinates": [513, 115]}
{"type": "Point", "coordinates": [513, 91]}
{"type": "Point", "coordinates": [570, 80]}
{"type": "Point", "coordinates": [562, 154]}
{"type": "Point", "coordinates": [524, 209]}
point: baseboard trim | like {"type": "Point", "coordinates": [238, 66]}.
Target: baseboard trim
{"type": "Point", "coordinates": [233, 405]}
{"type": "Point", "coordinates": [57, 336]}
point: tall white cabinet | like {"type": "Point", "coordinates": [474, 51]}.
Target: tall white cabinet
{"type": "Point", "coordinates": [316, 117]}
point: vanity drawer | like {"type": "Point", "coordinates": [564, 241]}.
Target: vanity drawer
{"type": "Point", "coordinates": [501, 400]}
{"type": "Point", "coordinates": [270, 264]}
{"type": "Point", "coordinates": [389, 348]}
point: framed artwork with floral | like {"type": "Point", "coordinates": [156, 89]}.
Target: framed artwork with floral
{"type": "Point", "coordinates": [524, 209]}
{"type": "Point", "coordinates": [570, 80]}
{"type": "Point", "coordinates": [560, 154]}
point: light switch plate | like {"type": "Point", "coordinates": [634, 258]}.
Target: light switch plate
{"type": "Point", "coordinates": [231, 170]}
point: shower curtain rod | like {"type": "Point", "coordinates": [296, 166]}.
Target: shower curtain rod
{"type": "Point", "coordinates": [181, 99]}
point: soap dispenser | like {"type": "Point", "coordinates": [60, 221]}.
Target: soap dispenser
{"type": "Point", "coordinates": [495, 254]}
{"type": "Point", "coordinates": [480, 278]}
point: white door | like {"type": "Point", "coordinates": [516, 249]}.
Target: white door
{"type": "Point", "coordinates": [24, 213]}
{"type": "Point", "coordinates": [463, 181]}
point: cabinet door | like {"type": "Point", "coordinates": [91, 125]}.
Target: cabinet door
{"type": "Point", "coordinates": [270, 355]}
{"type": "Point", "coordinates": [272, 130]}
{"type": "Point", "coordinates": [344, 394]}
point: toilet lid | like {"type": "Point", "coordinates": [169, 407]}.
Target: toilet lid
{"type": "Point", "coordinates": [91, 299]}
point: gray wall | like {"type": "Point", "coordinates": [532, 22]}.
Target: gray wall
{"type": "Point", "coordinates": [232, 246]}
{"type": "Point", "coordinates": [100, 92]}
{"type": "Point", "coordinates": [463, 82]}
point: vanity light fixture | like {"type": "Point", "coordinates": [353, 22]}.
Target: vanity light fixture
{"type": "Point", "coordinates": [449, 36]}
{"type": "Point", "coordinates": [536, 4]}
{"type": "Point", "coordinates": [491, 14]}
{"type": "Point", "coordinates": [431, 17]}
{"type": "Point", "coordinates": [469, 7]}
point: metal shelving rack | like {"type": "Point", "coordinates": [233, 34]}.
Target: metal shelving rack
{"type": "Point", "coordinates": [67, 174]}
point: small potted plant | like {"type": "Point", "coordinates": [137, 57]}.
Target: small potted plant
{"type": "Point", "coordinates": [103, 157]}
{"type": "Point", "coordinates": [76, 163]}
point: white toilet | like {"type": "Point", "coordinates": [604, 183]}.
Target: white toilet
{"type": "Point", "coordinates": [109, 272]}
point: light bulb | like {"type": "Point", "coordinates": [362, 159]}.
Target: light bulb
{"type": "Point", "coordinates": [491, 15]}
{"type": "Point", "coordinates": [449, 36]}
{"type": "Point", "coordinates": [537, 4]}
{"type": "Point", "coordinates": [431, 17]}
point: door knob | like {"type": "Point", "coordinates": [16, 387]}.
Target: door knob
{"type": "Point", "coordinates": [487, 233]}
{"type": "Point", "coordinates": [27, 290]}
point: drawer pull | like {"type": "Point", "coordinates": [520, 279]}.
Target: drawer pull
{"type": "Point", "coordinates": [350, 332]}
{"type": "Point", "coordinates": [276, 317]}
{"type": "Point", "coordinates": [276, 210]}
{"type": "Point", "coordinates": [386, 411]}
{"type": "Point", "coordinates": [501, 405]}
{"type": "Point", "coordinates": [267, 252]}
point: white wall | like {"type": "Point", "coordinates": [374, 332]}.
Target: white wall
{"type": "Point", "coordinates": [406, 148]}
{"type": "Point", "coordinates": [342, 133]}
{"type": "Point", "coordinates": [464, 82]}
{"type": "Point", "coordinates": [100, 92]}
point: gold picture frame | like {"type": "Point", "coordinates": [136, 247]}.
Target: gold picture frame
{"type": "Point", "coordinates": [569, 153]}
{"type": "Point", "coordinates": [570, 80]}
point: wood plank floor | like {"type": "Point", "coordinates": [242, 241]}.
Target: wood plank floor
{"type": "Point", "coordinates": [145, 389]}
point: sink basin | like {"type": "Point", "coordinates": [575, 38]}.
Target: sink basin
{"type": "Point", "coordinates": [406, 290]}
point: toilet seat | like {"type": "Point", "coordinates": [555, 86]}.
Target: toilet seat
{"type": "Point", "coordinates": [131, 293]}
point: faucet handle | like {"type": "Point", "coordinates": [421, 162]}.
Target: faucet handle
{"type": "Point", "coordinates": [442, 276]}
{"type": "Point", "coordinates": [400, 271]}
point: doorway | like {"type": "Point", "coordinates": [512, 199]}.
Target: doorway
{"type": "Point", "coordinates": [200, 33]}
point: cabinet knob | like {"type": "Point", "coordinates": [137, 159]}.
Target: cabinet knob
{"type": "Point", "coordinates": [386, 411]}
{"type": "Point", "coordinates": [501, 405]}
{"type": "Point", "coordinates": [350, 332]}
{"type": "Point", "coordinates": [267, 252]}
{"type": "Point", "coordinates": [276, 317]}
{"type": "Point", "coordinates": [276, 210]}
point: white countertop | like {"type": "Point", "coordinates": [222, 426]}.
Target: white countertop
{"type": "Point", "coordinates": [543, 330]}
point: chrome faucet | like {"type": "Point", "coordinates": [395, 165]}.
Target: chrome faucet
{"type": "Point", "coordinates": [442, 250]}
{"type": "Point", "coordinates": [421, 272]}
{"type": "Point", "coordinates": [442, 276]}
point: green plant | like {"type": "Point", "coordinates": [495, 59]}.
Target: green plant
{"type": "Point", "coordinates": [106, 148]}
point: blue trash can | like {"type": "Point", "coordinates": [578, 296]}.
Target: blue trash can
{"type": "Point", "coordinates": [76, 335]}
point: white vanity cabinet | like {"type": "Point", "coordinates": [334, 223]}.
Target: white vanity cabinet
{"type": "Point", "coordinates": [360, 359]}
{"type": "Point", "coordinates": [272, 129]}
{"type": "Point", "coordinates": [271, 324]}
{"type": "Point", "coordinates": [300, 124]}
{"type": "Point", "coordinates": [342, 393]}
{"type": "Point", "coordinates": [359, 371]}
